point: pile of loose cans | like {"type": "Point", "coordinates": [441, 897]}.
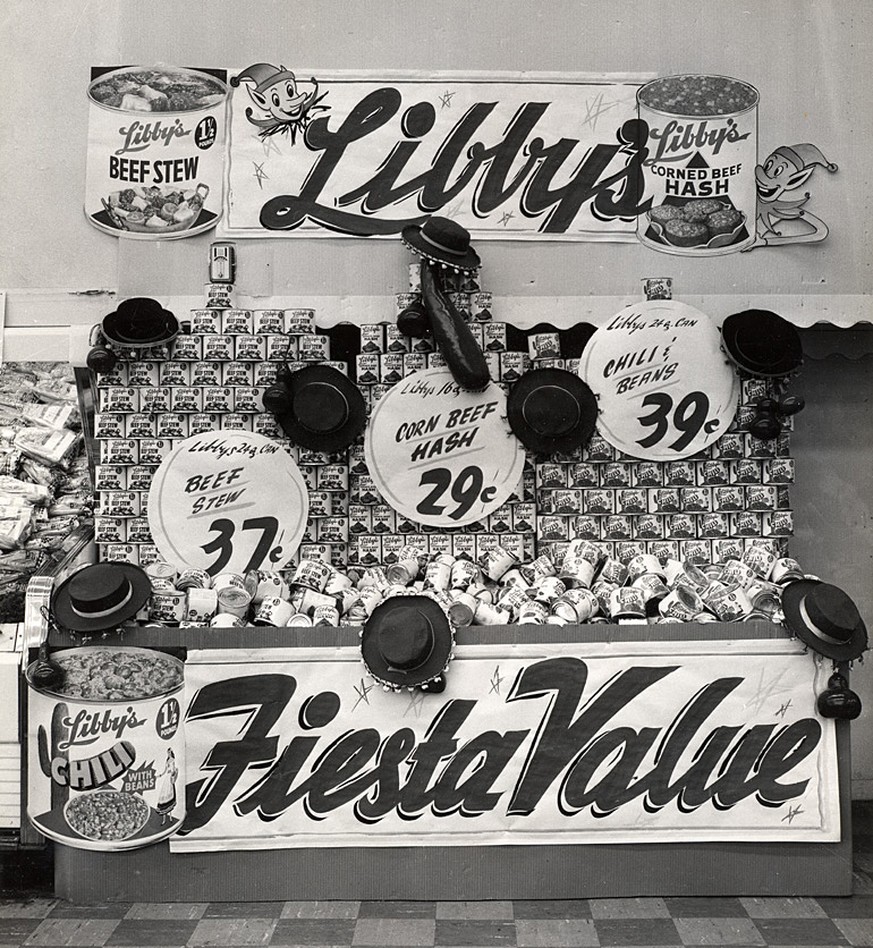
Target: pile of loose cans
{"type": "Point", "coordinates": [588, 585]}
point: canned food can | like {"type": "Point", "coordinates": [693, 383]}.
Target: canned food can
{"type": "Point", "coordinates": [225, 580]}
{"type": "Point", "coordinates": [299, 322]}
{"type": "Point", "coordinates": [648, 527]}
{"type": "Point", "coordinates": [155, 152]}
{"type": "Point", "coordinates": [224, 620]}
{"type": "Point", "coordinates": [167, 605]}
{"type": "Point", "coordinates": [778, 471]}
{"type": "Point", "coordinates": [533, 612]}
{"type": "Point", "coordinates": [576, 605]}
{"type": "Point", "coordinates": [700, 174]}
{"type": "Point", "coordinates": [438, 573]}
{"type": "Point", "coordinates": [576, 571]}
{"type": "Point", "coordinates": [548, 589]}
{"type": "Point", "coordinates": [268, 321]}
{"type": "Point", "coordinates": [613, 571]}
{"type": "Point", "coordinates": [681, 603]}
{"type": "Point", "coordinates": [201, 604]}
{"type": "Point", "coordinates": [325, 615]}
{"type": "Point", "coordinates": [464, 572]}
{"type": "Point", "coordinates": [603, 591]}
{"type": "Point", "coordinates": [736, 573]}
{"type": "Point", "coordinates": [513, 364]}
{"type": "Point", "coordinates": [732, 604]}
{"type": "Point", "coordinates": [160, 570]}
{"type": "Point", "coordinates": [653, 588]}
{"type": "Point", "coordinates": [193, 577]}
{"type": "Point", "coordinates": [761, 559]}
{"type": "Point", "coordinates": [235, 321]}
{"type": "Point", "coordinates": [272, 611]}
{"type": "Point", "coordinates": [779, 523]}
{"type": "Point", "coordinates": [498, 561]}
{"type": "Point", "coordinates": [110, 530]}
{"type": "Point", "coordinates": [627, 602]}
{"type": "Point", "coordinates": [312, 574]}
{"type": "Point", "coordinates": [218, 348]}
{"type": "Point", "coordinates": [263, 583]}
{"type": "Point", "coordinates": [786, 570]}
{"type": "Point", "coordinates": [462, 608]}
{"type": "Point", "coordinates": [488, 614]}
{"type": "Point", "coordinates": [644, 563]}
{"type": "Point", "coordinates": [117, 775]}
{"type": "Point", "coordinates": [544, 345]}
{"type": "Point", "coordinates": [512, 599]}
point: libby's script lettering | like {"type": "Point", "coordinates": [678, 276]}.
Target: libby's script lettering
{"type": "Point", "coordinates": [492, 171]}
{"type": "Point", "coordinates": [593, 766]}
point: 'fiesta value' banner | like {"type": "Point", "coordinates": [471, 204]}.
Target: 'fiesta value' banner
{"type": "Point", "coordinates": [642, 742]}
{"type": "Point", "coordinates": [347, 153]}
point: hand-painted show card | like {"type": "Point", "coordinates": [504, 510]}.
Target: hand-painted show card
{"type": "Point", "coordinates": [228, 501]}
{"type": "Point", "coordinates": [664, 387]}
{"type": "Point", "coordinates": [507, 156]}
{"type": "Point", "coordinates": [442, 456]}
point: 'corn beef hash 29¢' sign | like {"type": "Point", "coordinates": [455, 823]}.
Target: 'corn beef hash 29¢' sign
{"type": "Point", "coordinates": [642, 742]}
{"type": "Point", "coordinates": [512, 157]}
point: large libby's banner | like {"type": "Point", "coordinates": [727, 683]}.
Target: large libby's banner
{"type": "Point", "coordinates": [641, 742]}
{"type": "Point", "coordinates": [348, 153]}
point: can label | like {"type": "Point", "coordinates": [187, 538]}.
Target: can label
{"type": "Point", "coordinates": [155, 152]}
{"type": "Point", "coordinates": [108, 774]}
{"type": "Point", "coordinates": [268, 321]}
{"type": "Point", "coordinates": [700, 170]}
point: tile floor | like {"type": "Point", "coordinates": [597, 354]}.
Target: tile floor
{"type": "Point", "coordinates": [39, 920]}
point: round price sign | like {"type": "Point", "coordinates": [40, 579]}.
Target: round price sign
{"type": "Point", "coordinates": [228, 502]}
{"type": "Point", "coordinates": [665, 389]}
{"type": "Point", "coordinates": [439, 455]}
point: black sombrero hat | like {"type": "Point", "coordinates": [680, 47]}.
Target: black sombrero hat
{"type": "Point", "coordinates": [100, 597]}
{"type": "Point", "coordinates": [825, 618]}
{"type": "Point", "coordinates": [442, 241]}
{"type": "Point", "coordinates": [140, 322]}
{"type": "Point", "coordinates": [761, 343]}
{"type": "Point", "coordinates": [326, 410]}
{"type": "Point", "coordinates": [407, 641]}
{"type": "Point", "coordinates": [551, 410]}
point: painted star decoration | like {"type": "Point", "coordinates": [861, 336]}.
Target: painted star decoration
{"type": "Point", "coordinates": [792, 812]}
{"type": "Point", "coordinates": [259, 174]}
{"type": "Point", "coordinates": [596, 107]}
{"type": "Point", "coordinates": [363, 693]}
{"type": "Point", "coordinates": [446, 100]}
{"type": "Point", "coordinates": [496, 681]}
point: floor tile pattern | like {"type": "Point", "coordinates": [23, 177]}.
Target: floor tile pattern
{"type": "Point", "coordinates": [601, 923]}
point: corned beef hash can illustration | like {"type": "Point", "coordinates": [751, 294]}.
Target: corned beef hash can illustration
{"type": "Point", "coordinates": [700, 167]}
{"type": "Point", "coordinates": [155, 164]}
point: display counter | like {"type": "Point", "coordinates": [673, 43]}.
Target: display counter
{"type": "Point", "coordinates": [475, 871]}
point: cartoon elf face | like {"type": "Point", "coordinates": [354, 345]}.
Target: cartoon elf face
{"type": "Point", "coordinates": [281, 100]}
{"type": "Point", "coordinates": [778, 175]}
{"type": "Point", "coordinates": [273, 89]}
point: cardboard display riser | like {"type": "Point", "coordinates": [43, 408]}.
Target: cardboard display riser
{"type": "Point", "coordinates": [155, 874]}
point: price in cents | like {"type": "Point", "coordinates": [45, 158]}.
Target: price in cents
{"type": "Point", "coordinates": [464, 489]}
{"type": "Point", "coordinates": [664, 389]}
{"type": "Point", "coordinates": [442, 456]}
{"type": "Point", "coordinates": [228, 502]}
{"type": "Point", "coordinates": [689, 417]}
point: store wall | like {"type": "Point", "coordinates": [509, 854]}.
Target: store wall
{"type": "Point", "coordinates": [811, 60]}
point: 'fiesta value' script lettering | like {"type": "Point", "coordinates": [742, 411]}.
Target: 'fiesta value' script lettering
{"type": "Point", "coordinates": [593, 766]}
{"type": "Point", "coordinates": [520, 163]}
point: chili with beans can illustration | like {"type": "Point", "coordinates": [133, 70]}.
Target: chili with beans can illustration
{"type": "Point", "coordinates": [106, 755]}
{"type": "Point", "coordinates": [155, 151]}
{"type": "Point", "coordinates": [700, 167]}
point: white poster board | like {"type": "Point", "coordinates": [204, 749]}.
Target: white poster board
{"type": "Point", "coordinates": [594, 743]}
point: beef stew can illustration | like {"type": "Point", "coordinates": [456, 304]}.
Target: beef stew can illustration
{"type": "Point", "coordinates": [700, 167]}
{"type": "Point", "coordinates": [155, 163]}
{"type": "Point", "coordinates": [106, 750]}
